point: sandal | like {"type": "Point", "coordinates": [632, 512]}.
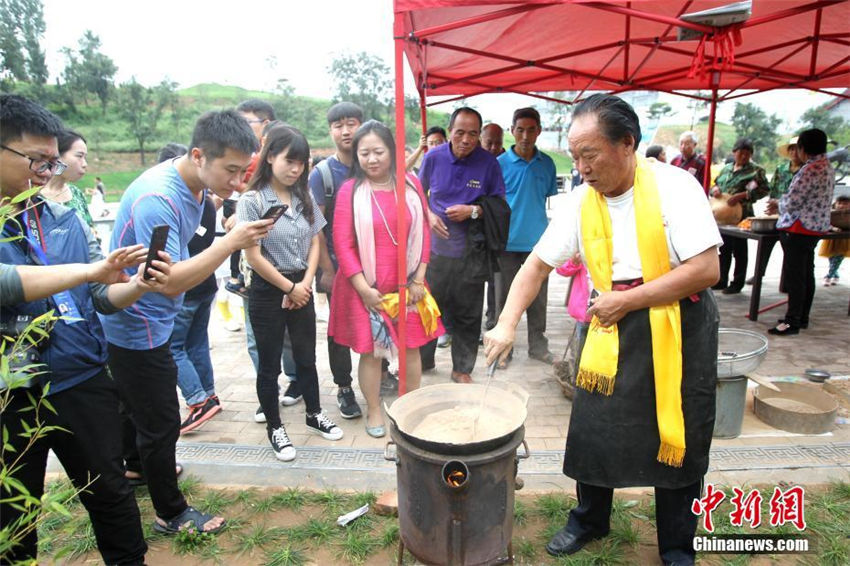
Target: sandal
{"type": "Point", "coordinates": [190, 518]}
{"type": "Point", "coordinates": [237, 289]}
{"type": "Point", "coordinates": [141, 480]}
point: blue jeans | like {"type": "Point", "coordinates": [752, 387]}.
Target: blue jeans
{"type": "Point", "coordinates": [190, 347]}
{"type": "Point", "coordinates": [286, 359]}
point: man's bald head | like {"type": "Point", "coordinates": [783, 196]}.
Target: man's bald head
{"type": "Point", "coordinates": [493, 139]}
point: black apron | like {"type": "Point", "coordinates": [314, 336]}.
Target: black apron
{"type": "Point", "coordinates": [613, 440]}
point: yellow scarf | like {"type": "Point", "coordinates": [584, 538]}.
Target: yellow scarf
{"type": "Point", "coordinates": [598, 365]}
{"type": "Point", "coordinates": [429, 312]}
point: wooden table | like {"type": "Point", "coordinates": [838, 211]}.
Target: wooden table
{"type": "Point", "coordinates": [760, 238]}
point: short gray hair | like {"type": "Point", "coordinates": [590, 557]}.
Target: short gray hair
{"type": "Point", "coordinates": [691, 135]}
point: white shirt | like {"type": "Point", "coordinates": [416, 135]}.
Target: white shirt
{"type": "Point", "coordinates": [688, 224]}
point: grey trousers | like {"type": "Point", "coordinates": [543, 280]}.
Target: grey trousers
{"type": "Point", "coordinates": [509, 264]}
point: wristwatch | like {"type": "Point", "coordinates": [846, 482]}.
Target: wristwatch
{"type": "Point", "coordinates": [474, 214]}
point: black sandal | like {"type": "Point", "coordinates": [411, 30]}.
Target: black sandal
{"type": "Point", "coordinates": [188, 519]}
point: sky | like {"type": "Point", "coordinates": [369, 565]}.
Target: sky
{"type": "Point", "coordinates": [253, 43]}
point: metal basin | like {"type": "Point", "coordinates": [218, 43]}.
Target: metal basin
{"type": "Point", "coordinates": [798, 407]}
{"type": "Point", "coordinates": [739, 352]}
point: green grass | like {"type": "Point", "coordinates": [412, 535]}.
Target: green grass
{"type": "Point", "coordinates": [292, 498]}
{"type": "Point", "coordinates": [259, 537]}
{"type": "Point", "coordinates": [286, 556]}
{"type": "Point", "coordinates": [536, 520]}
{"type": "Point", "coordinates": [553, 507]}
{"type": "Point", "coordinates": [115, 182]}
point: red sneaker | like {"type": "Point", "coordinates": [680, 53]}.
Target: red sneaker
{"type": "Point", "coordinates": [199, 414]}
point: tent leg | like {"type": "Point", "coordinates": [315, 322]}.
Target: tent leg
{"type": "Point", "coordinates": [709, 143]}
{"type": "Point", "coordinates": [398, 29]}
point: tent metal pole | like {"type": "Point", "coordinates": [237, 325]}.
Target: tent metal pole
{"type": "Point", "coordinates": [709, 144]}
{"type": "Point", "coordinates": [398, 31]}
{"type": "Point", "coordinates": [423, 112]}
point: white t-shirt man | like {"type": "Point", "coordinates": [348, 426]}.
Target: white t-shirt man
{"type": "Point", "coordinates": [688, 224]}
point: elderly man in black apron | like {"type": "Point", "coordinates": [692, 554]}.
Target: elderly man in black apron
{"type": "Point", "coordinates": [643, 413]}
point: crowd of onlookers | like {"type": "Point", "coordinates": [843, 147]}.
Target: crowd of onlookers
{"type": "Point", "coordinates": [244, 207]}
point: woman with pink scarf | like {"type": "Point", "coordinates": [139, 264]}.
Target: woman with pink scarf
{"type": "Point", "coordinates": [364, 313]}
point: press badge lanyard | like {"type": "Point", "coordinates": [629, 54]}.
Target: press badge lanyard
{"type": "Point", "coordinates": [33, 235]}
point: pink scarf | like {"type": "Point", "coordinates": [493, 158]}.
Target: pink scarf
{"type": "Point", "coordinates": [363, 228]}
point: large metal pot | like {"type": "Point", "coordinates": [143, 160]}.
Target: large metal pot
{"type": "Point", "coordinates": [408, 411]}
{"type": "Point", "coordinates": [740, 352]}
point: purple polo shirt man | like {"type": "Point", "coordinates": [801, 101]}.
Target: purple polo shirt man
{"type": "Point", "coordinates": [456, 175]}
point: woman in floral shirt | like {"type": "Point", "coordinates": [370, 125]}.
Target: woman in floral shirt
{"type": "Point", "coordinates": [803, 217]}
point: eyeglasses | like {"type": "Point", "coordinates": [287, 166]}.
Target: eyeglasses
{"type": "Point", "coordinates": [254, 121]}
{"type": "Point", "coordinates": [40, 166]}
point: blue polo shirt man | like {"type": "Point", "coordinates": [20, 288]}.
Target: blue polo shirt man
{"type": "Point", "coordinates": [529, 179]}
{"type": "Point", "coordinates": [455, 175]}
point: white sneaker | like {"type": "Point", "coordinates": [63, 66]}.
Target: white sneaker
{"type": "Point", "coordinates": [322, 425]}
{"type": "Point", "coordinates": [282, 446]}
{"type": "Point", "coordinates": [259, 416]}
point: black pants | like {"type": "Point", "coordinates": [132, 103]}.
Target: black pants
{"type": "Point", "coordinates": [798, 275]}
{"type": "Point", "coordinates": [147, 382]}
{"type": "Point", "coordinates": [89, 449]}
{"type": "Point", "coordinates": [675, 522]}
{"type": "Point", "coordinates": [733, 248]}
{"type": "Point", "coordinates": [339, 358]}
{"type": "Point", "coordinates": [461, 301]}
{"type": "Point", "coordinates": [509, 264]}
{"type": "Point", "coordinates": [269, 320]}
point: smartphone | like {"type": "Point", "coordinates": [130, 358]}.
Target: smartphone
{"type": "Point", "coordinates": [159, 237]}
{"type": "Point", "coordinates": [593, 294]}
{"type": "Point", "coordinates": [275, 212]}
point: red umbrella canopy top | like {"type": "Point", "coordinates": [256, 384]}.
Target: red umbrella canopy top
{"type": "Point", "coordinates": [466, 47]}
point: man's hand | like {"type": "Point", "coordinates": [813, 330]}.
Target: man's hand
{"type": "Point", "coordinates": [159, 271]}
{"type": "Point", "coordinates": [438, 226]}
{"type": "Point", "coordinates": [459, 212]}
{"type": "Point", "coordinates": [111, 269]}
{"type": "Point", "coordinates": [423, 142]}
{"type": "Point", "coordinates": [372, 298]}
{"type": "Point", "coordinates": [248, 234]}
{"type": "Point", "coordinates": [228, 223]}
{"type": "Point", "coordinates": [326, 281]}
{"type": "Point", "coordinates": [498, 342]}
{"type": "Point", "coordinates": [609, 308]}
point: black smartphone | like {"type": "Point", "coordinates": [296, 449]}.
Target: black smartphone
{"type": "Point", "coordinates": [159, 237]}
{"type": "Point", "coordinates": [275, 212]}
{"type": "Point", "coordinates": [593, 294]}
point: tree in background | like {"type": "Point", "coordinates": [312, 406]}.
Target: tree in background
{"type": "Point", "coordinates": [21, 30]}
{"type": "Point", "coordinates": [557, 114]}
{"type": "Point", "coordinates": [365, 80]}
{"type": "Point", "coordinates": [696, 106]}
{"type": "Point", "coordinates": [752, 122]}
{"type": "Point", "coordinates": [88, 71]}
{"type": "Point", "coordinates": [658, 110]}
{"type": "Point", "coordinates": [836, 127]}
{"type": "Point", "coordinates": [142, 107]}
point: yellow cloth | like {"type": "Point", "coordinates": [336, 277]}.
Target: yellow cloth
{"type": "Point", "coordinates": [429, 312]}
{"type": "Point", "coordinates": [598, 365]}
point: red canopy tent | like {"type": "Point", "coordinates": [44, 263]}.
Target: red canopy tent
{"type": "Point", "coordinates": [463, 48]}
